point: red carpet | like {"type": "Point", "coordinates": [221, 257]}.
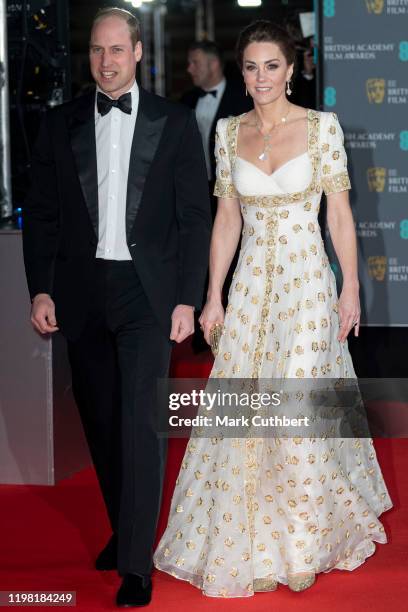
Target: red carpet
{"type": "Point", "coordinates": [50, 536]}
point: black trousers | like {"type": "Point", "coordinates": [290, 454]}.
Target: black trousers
{"type": "Point", "coordinates": [115, 364]}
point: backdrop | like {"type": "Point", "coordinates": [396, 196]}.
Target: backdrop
{"type": "Point", "coordinates": [365, 75]}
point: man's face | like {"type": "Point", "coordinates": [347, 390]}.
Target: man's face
{"type": "Point", "coordinates": [112, 57]}
{"type": "Point", "coordinates": [200, 67]}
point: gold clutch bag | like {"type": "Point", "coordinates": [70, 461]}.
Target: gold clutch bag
{"type": "Point", "coordinates": [215, 336]}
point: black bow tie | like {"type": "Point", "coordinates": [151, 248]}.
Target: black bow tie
{"type": "Point", "coordinates": [104, 103]}
{"type": "Point", "coordinates": [202, 93]}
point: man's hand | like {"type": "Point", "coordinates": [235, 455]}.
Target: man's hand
{"type": "Point", "coordinates": [182, 322]}
{"type": "Point", "coordinates": [43, 314]}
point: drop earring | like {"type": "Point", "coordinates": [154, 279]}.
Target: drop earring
{"type": "Point", "coordinates": [288, 89]}
{"type": "Point", "coordinates": [246, 91]}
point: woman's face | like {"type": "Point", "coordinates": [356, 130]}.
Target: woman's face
{"type": "Point", "coordinates": [265, 71]}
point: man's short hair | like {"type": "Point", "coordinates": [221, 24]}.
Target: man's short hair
{"type": "Point", "coordinates": [208, 47]}
{"type": "Point", "coordinates": [132, 22]}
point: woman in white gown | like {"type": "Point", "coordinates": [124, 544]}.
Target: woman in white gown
{"type": "Point", "coordinates": [248, 514]}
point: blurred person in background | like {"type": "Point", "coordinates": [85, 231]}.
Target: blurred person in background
{"type": "Point", "coordinates": [304, 82]}
{"type": "Point", "coordinates": [213, 97]}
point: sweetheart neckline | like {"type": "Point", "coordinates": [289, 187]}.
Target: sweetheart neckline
{"type": "Point", "coordinates": [277, 169]}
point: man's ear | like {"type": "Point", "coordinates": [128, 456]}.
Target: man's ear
{"type": "Point", "coordinates": [138, 50]}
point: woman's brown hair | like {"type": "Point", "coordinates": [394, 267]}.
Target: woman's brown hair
{"type": "Point", "coordinates": [266, 31]}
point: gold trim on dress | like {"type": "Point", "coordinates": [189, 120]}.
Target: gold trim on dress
{"type": "Point", "coordinates": [272, 225]}
{"type": "Point", "coordinates": [224, 190]}
{"type": "Point", "coordinates": [266, 201]}
{"type": "Point", "coordinates": [269, 583]}
{"type": "Point", "coordinates": [335, 184]}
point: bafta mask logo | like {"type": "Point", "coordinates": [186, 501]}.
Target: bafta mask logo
{"type": "Point", "coordinates": [377, 267]}
{"type": "Point", "coordinates": [376, 179]}
{"type": "Point", "coordinates": [375, 6]}
{"type": "Point", "coordinates": [375, 90]}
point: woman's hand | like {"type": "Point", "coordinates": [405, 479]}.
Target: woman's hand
{"type": "Point", "coordinates": [349, 311]}
{"type": "Point", "coordinates": [213, 312]}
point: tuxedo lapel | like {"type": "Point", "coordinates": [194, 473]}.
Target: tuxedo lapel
{"type": "Point", "coordinates": [148, 130]}
{"type": "Point", "coordinates": [223, 109]}
{"type": "Point", "coordinates": [190, 98]}
{"type": "Point", "coordinates": [82, 133]}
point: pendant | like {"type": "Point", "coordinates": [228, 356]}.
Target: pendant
{"type": "Point", "coordinates": [263, 156]}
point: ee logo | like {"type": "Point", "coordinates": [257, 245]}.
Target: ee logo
{"type": "Point", "coordinates": [329, 8]}
{"type": "Point", "coordinates": [403, 51]}
{"type": "Point", "coordinates": [330, 98]}
{"type": "Point", "coordinates": [404, 229]}
{"type": "Point", "coordinates": [404, 140]}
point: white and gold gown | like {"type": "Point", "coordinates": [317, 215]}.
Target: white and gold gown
{"type": "Point", "coordinates": [246, 512]}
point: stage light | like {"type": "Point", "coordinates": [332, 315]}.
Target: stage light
{"type": "Point", "coordinates": [246, 3]}
{"type": "Point", "coordinates": [138, 3]}
{"type": "Point", "coordinates": [135, 3]}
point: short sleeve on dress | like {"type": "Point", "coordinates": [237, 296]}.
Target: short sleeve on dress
{"type": "Point", "coordinates": [334, 173]}
{"type": "Point", "coordinates": [224, 187]}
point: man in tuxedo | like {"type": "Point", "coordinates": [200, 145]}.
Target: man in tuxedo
{"type": "Point", "coordinates": [116, 240]}
{"type": "Point", "coordinates": [213, 97]}
{"type": "Point", "coordinates": [304, 84]}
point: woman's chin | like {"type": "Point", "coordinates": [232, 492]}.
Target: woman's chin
{"type": "Point", "coordinates": [263, 99]}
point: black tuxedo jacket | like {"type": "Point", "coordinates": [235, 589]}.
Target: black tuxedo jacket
{"type": "Point", "coordinates": [233, 102]}
{"type": "Point", "coordinates": [167, 209]}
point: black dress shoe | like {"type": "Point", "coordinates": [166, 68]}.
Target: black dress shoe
{"type": "Point", "coordinates": [108, 557]}
{"type": "Point", "coordinates": [135, 591]}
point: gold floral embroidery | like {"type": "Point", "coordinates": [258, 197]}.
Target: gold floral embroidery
{"type": "Point", "coordinates": [335, 184]}
{"type": "Point", "coordinates": [271, 228]}
{"type": "Point", "coordinates": [224, 187]}
{"type": "Point", "coordinates": [251, 468]}
{"type": "Point", "coordinates": [290, 198]}
{"type": "Point", "coordinates": [224, 190]}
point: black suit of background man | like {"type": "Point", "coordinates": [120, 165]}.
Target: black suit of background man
{"type": "Point", "coordinates": [118, 315]}
{"type": "Point", "coordinates": [205, 66]}
{"type": "Point", "coordinates": [233, 103]}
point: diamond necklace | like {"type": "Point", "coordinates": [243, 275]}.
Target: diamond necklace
{"type": "Point", "coordinates": [266, 137]}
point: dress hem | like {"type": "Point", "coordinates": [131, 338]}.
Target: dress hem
{"type": "Point", "coordinates": [369, 546]}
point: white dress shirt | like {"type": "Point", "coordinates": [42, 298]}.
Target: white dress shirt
{"type": "Point", "coordinates": [205, 111]}
{"type": "Point", "coordinates": [114, 135]}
